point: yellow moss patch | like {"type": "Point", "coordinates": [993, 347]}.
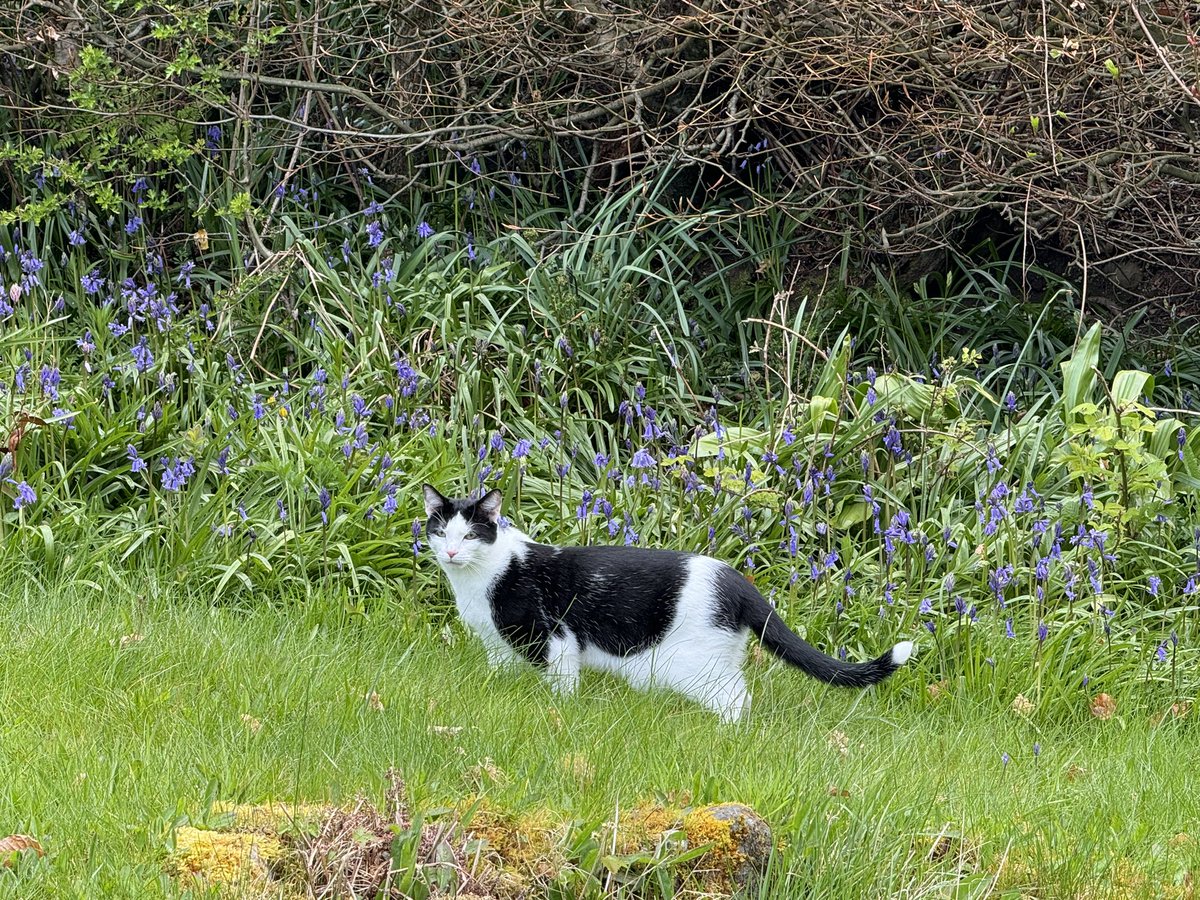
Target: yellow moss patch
{"type": "Point", "coordinates": [223, 857]}
{"type": "Point", "coordinates": [525, 844]}
{"type": "Point", "coordinates": [703, 829]}
{"type": "Point", "coordinates": [739, 843]}
{"type": "Point", "coordinates": [643, 828]}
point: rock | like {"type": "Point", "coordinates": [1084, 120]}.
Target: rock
{"type": "Point", "coordinates": [739, 839]}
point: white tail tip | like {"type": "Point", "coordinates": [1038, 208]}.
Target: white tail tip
{"type": "Point", "coordinates": [901, 653]}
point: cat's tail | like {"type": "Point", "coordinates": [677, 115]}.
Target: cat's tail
{"type": "Point", "coordinates": [758, 616]}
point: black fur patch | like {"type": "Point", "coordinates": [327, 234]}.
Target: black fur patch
{"type": "Point", "coordinates": [621, 600]}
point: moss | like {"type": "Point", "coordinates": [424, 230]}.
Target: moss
{"type": "Point", "coordinates": [525, 845]}
{"type": "Point", "coordinates": [644, 827]}
{"type": "Point", "coordinates": [225, 857]}
{"type": "Point", "coordinates": [738, 840]}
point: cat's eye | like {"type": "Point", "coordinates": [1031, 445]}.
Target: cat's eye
{"type": "Point", "coordinates": [470, 536]}
{"type": "Point", "coordinates": [437, 529]}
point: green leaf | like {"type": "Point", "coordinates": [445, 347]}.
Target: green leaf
{"type": "Point", "coordinates": [1079, 374]}
{"type": "Point", "coordinates": [1130, 387]}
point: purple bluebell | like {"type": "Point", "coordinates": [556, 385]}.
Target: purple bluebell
{"type": "Point", "coordinates": [642, 459]}
{"type": "Point", "coordinates": [25, 495]}
{"type": "Point", "coordinates": [92, 282]}
{"type": "Point", "coordinates": [143, 359]}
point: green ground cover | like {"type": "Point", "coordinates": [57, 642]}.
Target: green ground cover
{"type": "Point", "coordinates": [131, 709]}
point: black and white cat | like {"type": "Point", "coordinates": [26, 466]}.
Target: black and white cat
{"type": "Point", "coordinates": [656, 617]}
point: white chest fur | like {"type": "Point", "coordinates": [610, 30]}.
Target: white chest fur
{"type": "Point", "coordinates": [472, 592]}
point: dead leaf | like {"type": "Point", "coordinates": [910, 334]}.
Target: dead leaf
{"type": "Point", "coordinates": [839, 742]}
{"type": "Point", "coordinates": [374, 702]}
{"type": "Point", "coordinates": [835, 791]}
{"type": "Point", "coordinates": [486, 771]}
{"type": "Point", "coordinates": [201, 239]}
{"type": "Point", "coordinates": [1075, 772]}
{"type": "Point", "coordinates": [128, 640]}
{"type": "Point", "coordinates": [937, 689]}
{"type": "Point", "coordinates": [1022, 705]}
{"type": "Point", "coordinates": [942, 847]}
{"type": "Point", "coordinates": [1103, 706]}
{"type": "Point", "coordinates": [446, 730]}
{"type": "Point", "coordinates": [21, 422]}
{"type": "Point", "coordinates": [17, 843]}
{"type": "Point", "coordinates": [252, 723]}
{"type": "Point", "coordinates": [577, 766]}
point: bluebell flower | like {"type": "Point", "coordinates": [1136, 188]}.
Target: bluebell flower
{"type": "Point", "coordinates": [642, 459]}
{"type": "Point", "coordinates": [176, 471]}
{"type": "Point", "coordinates": [132, 226]}
{"type": "Point", "coordinates": [51, 378]}
{"type": "Point", "coordinates": [92, 282]}
{"type": "Point", "coordinates": [25, 495]}
{"type": "Point", "coordinates": [143, 359]}
{"type": "Point", "coordinates": [424, 230]}
{"type": "Point", "coordinates": [1153, 583]}
{"type": "Point", "coordinates": [406, 374]}
{"type": "Point", "coordinates": [374, 234]}
{"type": "Point", "coordinates": [893, 442]}
{"type": "Point", "coordinates": [521, 448]}
{"type": "Point", "coordinates": [75, 238]}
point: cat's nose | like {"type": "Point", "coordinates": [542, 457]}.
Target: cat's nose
{"type": "Point", "coordinates": [451, 553]}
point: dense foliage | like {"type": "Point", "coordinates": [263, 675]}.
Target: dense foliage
{"type": "Point", "coordinates": [893, 130]}
{"type": "Point", "coordinates": [266, 430]}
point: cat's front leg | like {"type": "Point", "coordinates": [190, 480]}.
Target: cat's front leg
{"type": "Point", "coordinates": [563, 663]}
{"type": "Point", "coordinates": [499, 653]}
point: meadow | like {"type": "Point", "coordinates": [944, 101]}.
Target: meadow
{"type": "Point", "coordinates": [217, 590]}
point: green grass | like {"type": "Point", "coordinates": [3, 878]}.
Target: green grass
{"type": "Point", "coordinates": [102, 747]}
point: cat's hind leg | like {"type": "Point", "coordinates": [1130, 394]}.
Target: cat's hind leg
{"type": "Point", "coordinates": [718, 685]}
{"type": "Point", "coordinates": [563, 663]}
{"type": "Point", "coordinates": [727, 697]}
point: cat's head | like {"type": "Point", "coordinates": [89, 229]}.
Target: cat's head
{"type": "Point", "coordinates": [461, 531]}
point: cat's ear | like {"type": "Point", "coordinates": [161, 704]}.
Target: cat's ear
{"type": "Point", "coordinates": [433, 500]}
{"type": "Point", "coordinates": [489, 505]}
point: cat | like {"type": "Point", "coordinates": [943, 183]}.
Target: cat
{"type": "Point", "coordinates": [660, 618]}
